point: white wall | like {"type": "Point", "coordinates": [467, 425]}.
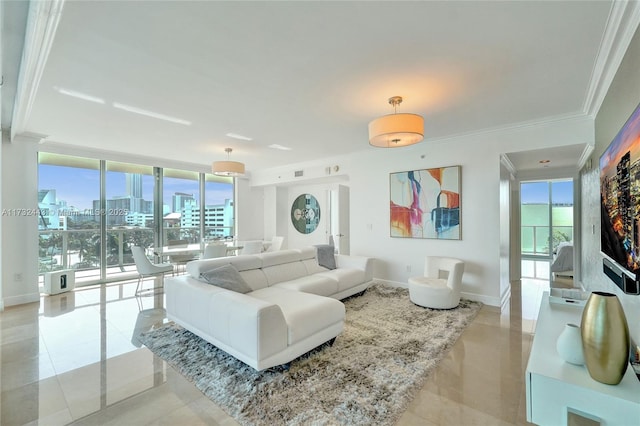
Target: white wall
{"type": "Point", "coordinates": [277, 211]}
{"type": "Point", "coordinates": [19, 232]}
{"type": "Point", "coordinates": [275, 224]}
{"type": "Point", "coordinates": [270, 196]}
{"type": "Point", "coordinates": [249, 208]}
{"type": "Point", "coordinates": [278, 201]}
{"type": "Point", "coordinates": [506, 228]}
{"type": "Point", "coordinates": [622, 98]}
{"type": "Point", "coordinates": [479, 155]}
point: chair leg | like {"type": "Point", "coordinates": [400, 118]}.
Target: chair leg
{"type": "Point", "coordinates": [152, 291]}
{"type": "Point", "coordinates": [138, 290]}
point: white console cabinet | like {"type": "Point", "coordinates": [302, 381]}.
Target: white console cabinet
{"type": "Point", "coordinates": [557, 390]}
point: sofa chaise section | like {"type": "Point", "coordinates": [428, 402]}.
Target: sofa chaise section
{"type": "Point", "coordinates": [290, 310]}
{"type": "Point", "coordinates": [245, 327]}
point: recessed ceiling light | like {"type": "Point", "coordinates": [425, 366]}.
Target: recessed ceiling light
{"type": "Point", "coordinates": [151, 114]}
{"type": "Point", "coordinates": [544, 161]}
{"type": "Point", "coordinates": [280, 147]}
{"type": "Point", "coordinates": [78, 95]}
{"type": "Point", "coordinates": [239, 137]}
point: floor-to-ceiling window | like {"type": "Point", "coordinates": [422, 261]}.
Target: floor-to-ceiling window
{"type": "Point", "coordinates": [218, 210]}
{"type": "Point", "coordinates": [129, 203]}
{"type": "Point", "coordinates": [92, 211]}
{"type": "Point", "coordinates": [546, 216]}
{"type": "Point", "coordinates": [561, 212]}
{"type": "Point", "coordinates": [69, 228]}
{"type": "Point", "coordinates": [181, 206]}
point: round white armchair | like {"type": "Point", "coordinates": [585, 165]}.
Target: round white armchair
{"type": "Point", "coordinates": [439, 288]}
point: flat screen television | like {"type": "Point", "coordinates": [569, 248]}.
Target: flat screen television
{"type": "Point", "coordinates": [620, 199]}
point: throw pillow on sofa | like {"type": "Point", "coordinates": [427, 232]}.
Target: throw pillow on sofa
{"type": "Point", "coordinates": [326, 257]}
{"type": "Point", "coordinates": [226, 277]}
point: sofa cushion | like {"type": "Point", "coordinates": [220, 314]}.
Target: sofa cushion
{"type": "Point", "coordinates": [255, 278]}
{"type": "Point", "coordinates": [306, 314]}
{"type": "Point", "coordinates": [314, 284]}
{"type": "Point", "coordinates": [307, 252]}
{"type": "Point", "coordinates": [326, 256]}
{"type": "Point", "coordinates": [279, 257]}
{"type": "Point", "coordinates": [284, 272]}
{"type": "Point", "coordinates": [226, 276]}
{"type": "Point", "coordinates": [241, 263]}
{"type": "Point", "coordinates": [346, 277]}
{"type": "Point", "coordinates": [312, 266]}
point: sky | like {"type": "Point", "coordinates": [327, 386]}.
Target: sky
{"type": "Point", "coordinates": [79, 187]}
{"type": "Point", "coordinates": [538, 192]}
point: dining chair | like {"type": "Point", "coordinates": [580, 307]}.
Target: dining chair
{"type": "Point", "coordinates": [251, 247]}
{"type": "Point", "coordinates": [147, 269]}
{"type": "Point", "coordinates": [181, 259]}
{"type": "Point", "coordinates": [213, 250]}
{"type": "Point", "coordinates": [276, 244]}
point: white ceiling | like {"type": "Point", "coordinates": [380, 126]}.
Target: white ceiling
{"type": "Point", "coordinates": [564, 157]}
{"type": "Point", "coordinates": [308, 75]}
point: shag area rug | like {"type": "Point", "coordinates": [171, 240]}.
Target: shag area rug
{"type": "Point", "coordinates": [369, 376]}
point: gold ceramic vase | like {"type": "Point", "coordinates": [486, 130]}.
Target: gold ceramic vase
{"type": "Point", "coordinates": [605, 338]}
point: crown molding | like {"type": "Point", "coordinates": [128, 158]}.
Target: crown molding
{"type": "Point", "coordinates": [42, 23]}
{"type": "Point", "coordinates": [584, 157]}
{"type": "Point", "coordinates": [29, 137]}
{"type": "Point", "coordinates": [506, 162]}
{"type": "Point", "coordinates": [508, 128]}
{"type": "Point", "coordinates": [621, 26]}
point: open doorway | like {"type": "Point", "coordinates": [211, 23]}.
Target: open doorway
{"type": "Point", "coordinates": [547, 230]}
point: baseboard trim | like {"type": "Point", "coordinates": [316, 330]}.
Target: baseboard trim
{"type": "Point", "coordinates": [392, 283]}
{"type": "Point", "coordinates": [487, 300]}
{"type": "Point", "coordinates": [19, 300]}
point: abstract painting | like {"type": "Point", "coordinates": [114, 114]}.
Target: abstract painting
{"type": "Point", "coordinates": [426, 203]}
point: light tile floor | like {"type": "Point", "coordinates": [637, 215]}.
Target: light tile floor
{"type": "Point", "coordinates": [74, 358]}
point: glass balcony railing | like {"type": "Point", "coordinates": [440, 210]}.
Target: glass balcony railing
{"type": "Point", "coordinates": [534, 240]}
{"type": "Point", "coordinates": [80, 249]}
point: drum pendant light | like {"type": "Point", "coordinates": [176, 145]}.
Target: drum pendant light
{"type": "Point", "coordinates": [396, 130]}
{"type": "Point", "coordinates": [228, 168]}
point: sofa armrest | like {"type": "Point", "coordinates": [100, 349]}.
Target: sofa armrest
{"type": "Point", "coordinates": [251, 326]}
{"type": "Point", "coordinates": [247, 325]}
{"type": "Point", "coordinates": [356, 262]}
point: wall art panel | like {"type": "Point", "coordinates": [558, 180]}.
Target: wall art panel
{"type": "Point", "coordinates": [426, 203]}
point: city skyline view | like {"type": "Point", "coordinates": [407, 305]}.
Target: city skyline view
{"type": "Point", "coordinates": [80, 187]}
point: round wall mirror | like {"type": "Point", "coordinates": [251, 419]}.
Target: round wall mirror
{"type": "Point", "coordinates": [305, 213]}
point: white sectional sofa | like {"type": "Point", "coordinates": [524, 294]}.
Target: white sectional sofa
{"type": "Point", "coordinates": [292, 305]}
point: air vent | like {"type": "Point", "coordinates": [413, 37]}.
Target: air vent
{"type": "Point", "coordinates": [298, 173]}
